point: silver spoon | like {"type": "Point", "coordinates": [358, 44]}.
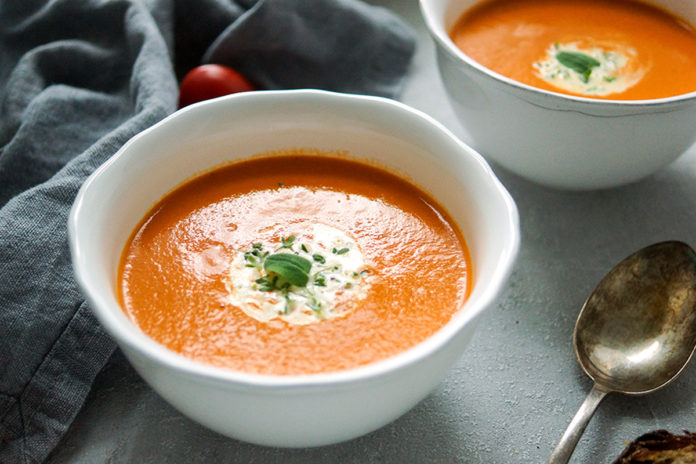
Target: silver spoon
{"type": "Point", "coordinates": [636, 331]}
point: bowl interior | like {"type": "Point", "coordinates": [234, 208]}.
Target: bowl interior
{"type": "Point", "coordinates": [209, 134]}
{"type": "Point", "coordinates": [441, 15]}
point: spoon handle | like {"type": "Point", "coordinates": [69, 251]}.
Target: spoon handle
{"type": "Point", "coordinates": [564, 449]}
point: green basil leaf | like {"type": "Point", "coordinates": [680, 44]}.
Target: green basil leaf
{"type": "Point", "coordinates": [578, 62]}
{"type": "Point", "coordinates": [294, 269]}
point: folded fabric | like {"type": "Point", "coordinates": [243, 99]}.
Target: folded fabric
{"type": "Point", "coordinates": [77, 80]}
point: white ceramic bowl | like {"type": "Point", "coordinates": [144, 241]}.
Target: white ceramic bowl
{"type": "Point", "coordinates": [292, 411]}
{"type": "Point", "coordinates": [553, 139]}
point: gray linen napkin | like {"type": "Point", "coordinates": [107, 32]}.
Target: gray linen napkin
{"type": "Point", "coordinates": [77, 80]}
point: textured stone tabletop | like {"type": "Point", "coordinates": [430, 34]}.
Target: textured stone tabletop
{"type": "Point", "coordinates": [510, 397]}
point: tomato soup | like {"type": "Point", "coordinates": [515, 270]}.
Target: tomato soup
{"type": "Point", "coordinates": [294, 264]}
{"type": "Point", "coordinates": [607, 49]}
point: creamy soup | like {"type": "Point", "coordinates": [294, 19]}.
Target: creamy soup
{"type": "Point", "coordinates": [608, 49]}
{"type": "Point", "coordinates": [294, 264]}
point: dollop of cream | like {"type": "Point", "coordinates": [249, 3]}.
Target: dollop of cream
{"type": "Point", "coordinates": [617, 70]}
{"type": "Point", "coordinates": [337, 279]}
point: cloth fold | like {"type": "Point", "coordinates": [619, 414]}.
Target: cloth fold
{"type": "Point", "coordinates": [77, 80]}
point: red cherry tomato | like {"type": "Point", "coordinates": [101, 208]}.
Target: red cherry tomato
{"type": "Point", "coordinates": [211, 81]}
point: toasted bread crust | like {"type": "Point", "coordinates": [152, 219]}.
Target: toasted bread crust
{"type": "Point", "coordinates": [660, 447]}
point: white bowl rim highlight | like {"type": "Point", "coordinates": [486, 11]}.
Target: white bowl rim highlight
{"type": "Point", "coordinates": [438, 32]}
{"type": "Point", "coordinates": [129, 335]}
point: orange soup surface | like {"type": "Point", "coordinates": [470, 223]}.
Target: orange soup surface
{"type": "Point", "coordinates": [296, 264]}
{"type": "Point", "coordinates": [607, 49]}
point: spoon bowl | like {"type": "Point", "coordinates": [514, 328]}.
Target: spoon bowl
{"type": "Point", "coordinates": [637, 330]}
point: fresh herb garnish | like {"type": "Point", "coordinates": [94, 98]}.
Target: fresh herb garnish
{"type": "Point", "coordinates": [315, 305]}
{"type": "Point", "coordinates": [298, 276]}
{"type": "Point", "coordinates": [320, 280]}
{"type": "Point", "coordinates": [288, 303]}
{"type": "Point", "coordinates": [578, 62]}
{"type": "Point", "coordinates": [265, 285]}
{"type": "Point", "coordinates": [251, 260]}
{"type": "Point", "coordinates": [293, 268]}
{"type": "Point", "coordinates": [287, 242]}
{"type": "Point", "coordinates": [255, 257]}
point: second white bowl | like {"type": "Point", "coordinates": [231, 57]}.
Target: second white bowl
{"type": "Point", "coordinates": [554, 139]}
